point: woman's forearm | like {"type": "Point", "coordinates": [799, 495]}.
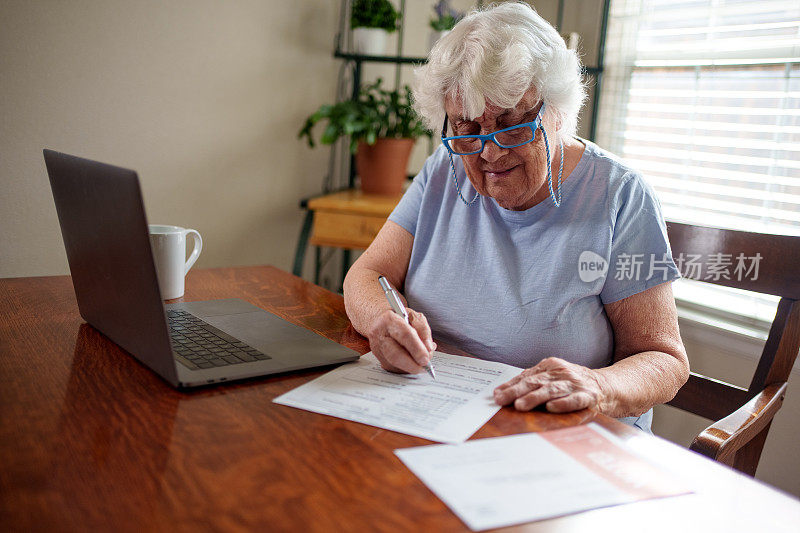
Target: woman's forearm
{"type": "Point", "coordinates": [363, 298]}
{"type": "Point", "coordinates": [388, 255]}
{"type": "Point", "coordinates": [650, 359]}
{"type": "Point", "coordinates": [401, 344]}
{"type": "Point", "coordinates": [631, 386]}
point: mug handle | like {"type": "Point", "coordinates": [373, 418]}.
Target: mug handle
{"type": "Point", "coordinates": [198, 247]}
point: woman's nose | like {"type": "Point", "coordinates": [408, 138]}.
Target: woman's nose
{"type": "Point", "coordinates": [492, 152]}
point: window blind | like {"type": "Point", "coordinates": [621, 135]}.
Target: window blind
{"type": "Point", "coordinates": [703, 97]}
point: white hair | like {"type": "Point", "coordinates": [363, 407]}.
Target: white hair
{"type": "Point", "coordinates": [497, 54]}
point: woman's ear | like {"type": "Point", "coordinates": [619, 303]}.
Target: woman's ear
{"type": "Point", "coordinates": [552, 121]}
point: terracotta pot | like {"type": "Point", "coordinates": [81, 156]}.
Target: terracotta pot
{"type": "Point", "coordinates": [382, 166]}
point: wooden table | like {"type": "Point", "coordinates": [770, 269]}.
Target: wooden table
{"type": "Point", "coordinates": [90, 440]}
{"type": "Point", "coordinates": [347, 219]}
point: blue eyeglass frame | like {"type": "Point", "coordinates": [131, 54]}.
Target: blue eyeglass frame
{"type": "Point", "coordinates": [533, 125]}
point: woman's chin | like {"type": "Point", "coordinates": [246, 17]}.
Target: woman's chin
{"type": "Point", "coordinates": [505, 202]}
{"type": "Point", "coordinates": [510, 199]}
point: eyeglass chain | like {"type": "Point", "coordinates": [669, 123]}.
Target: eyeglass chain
{"type": "Point", "coordinates": [556, 201]}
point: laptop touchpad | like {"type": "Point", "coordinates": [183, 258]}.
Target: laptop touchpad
{"type": "Point", "coordinates": [279, 338]}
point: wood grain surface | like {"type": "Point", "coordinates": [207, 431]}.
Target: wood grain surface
{"type": "Point", "coordinates": [354, 201]}
{"type": "Point", "coordinates": [90, 440]}
{"type": "Point", "coordinates": [343, 230]}
{"type": "Point", "coordinates": [349, 219]}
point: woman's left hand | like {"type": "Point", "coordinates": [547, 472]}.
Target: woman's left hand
{"type": "Point", "coordinates": [560, 385]}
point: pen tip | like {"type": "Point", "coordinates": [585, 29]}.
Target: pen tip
{"type": "Point", "coordinates": [429, 368]}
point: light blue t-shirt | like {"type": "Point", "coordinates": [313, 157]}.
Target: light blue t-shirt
{"type": "Point", "coordinates": [520, 286]}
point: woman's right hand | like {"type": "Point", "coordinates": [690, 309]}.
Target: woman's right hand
{"type": "Point", "coordinates": [400, 347]}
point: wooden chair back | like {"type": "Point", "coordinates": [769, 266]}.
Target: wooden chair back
{"type": "Point", "coordinates": [763, 263]}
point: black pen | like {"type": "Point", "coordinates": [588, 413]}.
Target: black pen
{"type": "Point", "coordinates": [398, 307]}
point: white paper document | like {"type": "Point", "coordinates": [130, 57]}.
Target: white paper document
{"type": "Point", "coordinates": [449, 409]}
{"type": "Point", "coordinates": [503, 481]}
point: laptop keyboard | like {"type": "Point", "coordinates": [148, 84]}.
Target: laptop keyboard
{"type": "Point", "coordinates": [197, 344]}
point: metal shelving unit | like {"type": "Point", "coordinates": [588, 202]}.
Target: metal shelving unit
{"type": "Point", "coordinates": [352, 62]}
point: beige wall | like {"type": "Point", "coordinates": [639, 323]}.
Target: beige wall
{"type": "Point", "coordinates": [203, 98]}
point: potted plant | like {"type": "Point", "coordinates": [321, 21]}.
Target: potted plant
{"type": "Point", "coordinates": [382, 128]}
{"type": "Point", "coordinates": [445, 18]}
{"type": "Point", "coordinates": [372, 21]}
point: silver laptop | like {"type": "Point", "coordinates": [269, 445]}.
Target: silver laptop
{"type": "Point", "coordinates": [189, 344]}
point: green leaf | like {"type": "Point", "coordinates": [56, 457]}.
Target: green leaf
{"type": "Point", "coordinates": [331, 133]}
{"type": "Point", "coordinates": [375, 113]}
{"type": "Point", "coordinates": [374, 14]}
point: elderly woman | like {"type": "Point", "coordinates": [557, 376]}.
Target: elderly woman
{"type": "Point", "coordinates": [521, 243]}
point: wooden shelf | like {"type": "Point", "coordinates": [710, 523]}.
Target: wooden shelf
{"type": "Point", "coordinates": [355, 202]}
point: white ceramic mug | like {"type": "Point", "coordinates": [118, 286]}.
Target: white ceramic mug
{"type": "Point", "coordinates": [169, 254]}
